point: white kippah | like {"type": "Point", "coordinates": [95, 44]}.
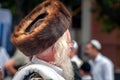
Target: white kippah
{"type": "Point", "coordinates": [75, 44]}
{"type": "Point", "coordinates": [96, 44]}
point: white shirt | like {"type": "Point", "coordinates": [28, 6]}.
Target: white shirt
{"type": "Point", "coordinates": [86, 78]}
{"type": "Point", "coordinates": [102, 68]}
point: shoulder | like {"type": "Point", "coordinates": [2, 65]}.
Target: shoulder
{"type": "Point", "coordinates": [106, 61]}
{"type": "Point", "coordinates": [42, 71]}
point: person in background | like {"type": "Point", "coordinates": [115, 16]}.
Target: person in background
{"type": "Point", "coordinates": [76, 61]}
{"type": "Point", "coordinates": [18, 60]}
{"type": "Point", "coordinates": [102, 67]}
{"type": "Point", "coordinates": [74, 56]}
{"type": "Point", "coordinates": [6, 29]}
{"type": "Point", "coordinates": [4, 57]}
{"type": "Point", "coordinates": [85, 71]}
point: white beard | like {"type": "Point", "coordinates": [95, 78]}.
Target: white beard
{"type": "Point", "coordinates": [65, 63]}
{"type": "Point", "coordinates": [62, 58]}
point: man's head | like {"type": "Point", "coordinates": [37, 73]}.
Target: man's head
{"type": "Point", "coordinates": [85, 69]}
{"type": "Point", "coordinates": [93, 48]}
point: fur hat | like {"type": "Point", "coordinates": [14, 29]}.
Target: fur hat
{"type": "Point", "coordinates": [41, 28]}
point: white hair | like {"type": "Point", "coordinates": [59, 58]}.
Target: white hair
{"type": "Point", "coordinates": [62, 57]}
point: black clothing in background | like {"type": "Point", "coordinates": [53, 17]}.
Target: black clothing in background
{"type": "Point", "coordinates": [76, 71]}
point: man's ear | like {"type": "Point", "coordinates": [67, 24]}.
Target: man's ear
{"type": "Point", "coordinates": [53, 50]}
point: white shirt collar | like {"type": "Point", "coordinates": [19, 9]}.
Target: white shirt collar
{"type": "Point", "coordinates": [35, 60]}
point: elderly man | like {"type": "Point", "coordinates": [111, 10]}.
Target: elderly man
{"type": "Point", "coordinates": [102, 67]}
{"type": "Point", "coordinates": [43, 35]}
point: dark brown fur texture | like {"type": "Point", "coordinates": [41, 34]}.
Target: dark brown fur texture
{"type": "Point", "coordinates": [41, 28]}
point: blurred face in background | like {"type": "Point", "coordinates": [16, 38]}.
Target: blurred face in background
{"type": "Point", "coordinates": [90, 50]}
